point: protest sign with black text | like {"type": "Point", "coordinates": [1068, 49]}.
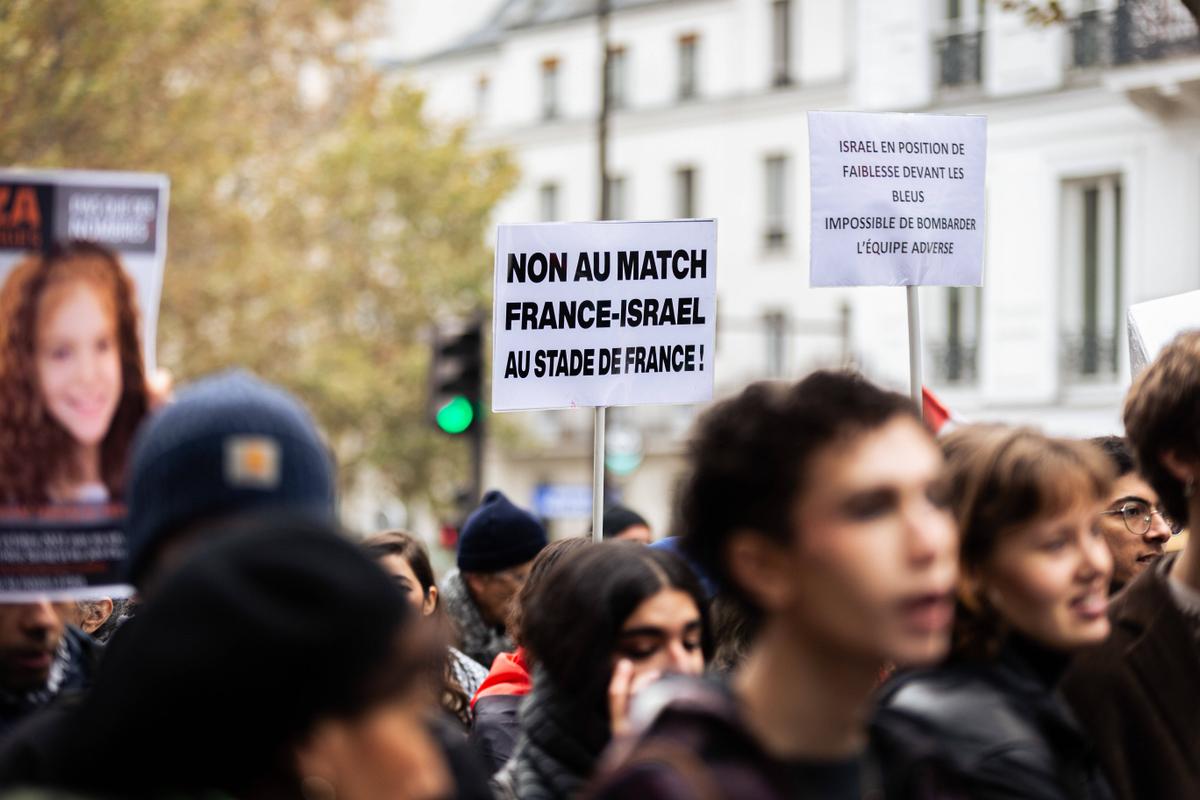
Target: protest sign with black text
{"type": "Point", "coordinates": [604, 314]}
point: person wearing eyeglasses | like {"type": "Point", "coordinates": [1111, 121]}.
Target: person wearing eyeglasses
{"type": "Point", "coordinates": [1138, 693]}
{"type": "Point", "coordinates": [1133, 524]}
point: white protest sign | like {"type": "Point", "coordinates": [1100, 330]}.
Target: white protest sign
{"type": "Point", "coordinates": [124, 211]}
{"type": "Point", "coordinates": [897, 199]}
{"type": "Point", "coordinates": [1155, 323]}
{"type": "Point", "coordinates": [604, 314]}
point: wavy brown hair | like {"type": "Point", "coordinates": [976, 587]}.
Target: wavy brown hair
{"type": "Point", "coordinates": [999, 480]}
{"type": "Point", "coordinates": [35, 450]}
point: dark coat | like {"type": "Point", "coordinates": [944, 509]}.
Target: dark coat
{"type": "Point", "coordinates": [695, 745]}
{"type": "Point", "coordinates": [559, 746]}
{"type": "Point", "coordinates": [496, 728]}
{"type": "Point", "coordinates": [1139, 693]}
{"type": "Point", "coordinates": [74, 669]}
{"type": "Point", "coordinates": [1006, 731]}
{"type": "Point", "coordinates": [496, 724]}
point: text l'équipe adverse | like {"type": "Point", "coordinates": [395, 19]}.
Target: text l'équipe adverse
{"type": "Point", "coordinates": [609, 313]}
{"type": "Point", "coordinates": [897, 199]}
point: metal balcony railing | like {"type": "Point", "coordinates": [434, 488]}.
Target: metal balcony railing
{"type": "Point", "coordinates": [1092, 40]}
{"type": "Point", "coordinates": [1087, 357]}
{"type": "Point", "coordinates": [954, 362]}
{"type": "Point", "coordinates": [960, 59]}
{"type": "Point", "coordinates": [1136, 31]}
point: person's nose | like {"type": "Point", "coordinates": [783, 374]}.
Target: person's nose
{"type": "Point", "coordinates": [1096, 559]}
{"type": "Point", "coordinates": [679, 658]}
{"type": "Point", "coordinates": [1159, 531]}
{"type": "Point", "coordinates": [929, 535]}
{"type": "Point", "coordinates": [39, 619]}
{"type": "Point", "coordinates": [90, 365]}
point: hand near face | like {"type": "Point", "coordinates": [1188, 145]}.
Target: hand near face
{"type": "Point", "coordinates": [625, 684]}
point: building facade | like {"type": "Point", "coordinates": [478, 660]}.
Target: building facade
{"type": "Point", "coordinates": [1093, 189]}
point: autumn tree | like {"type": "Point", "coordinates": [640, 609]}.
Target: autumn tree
{"type": "Point", "coordinates": [318, 219]}
{"type": "Point", "coordinates": [1050, 11]}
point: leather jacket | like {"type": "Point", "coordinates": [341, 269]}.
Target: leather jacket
{"type": "Point", "coordinates": [1002, 725]}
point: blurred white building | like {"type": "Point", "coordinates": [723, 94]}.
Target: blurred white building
{"type": "Point", "coordinates": [1093, 187]}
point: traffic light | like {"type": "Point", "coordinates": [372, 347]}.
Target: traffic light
{"type": "Point", "coordinates": [456, 377]}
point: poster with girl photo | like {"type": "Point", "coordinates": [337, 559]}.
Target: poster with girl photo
{"type": "Point", "coordinates": [81, 263]}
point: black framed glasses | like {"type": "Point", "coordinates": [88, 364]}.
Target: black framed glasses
{"type": "Point", "coordinates": [1138, 517]}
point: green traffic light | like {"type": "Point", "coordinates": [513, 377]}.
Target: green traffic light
{"type": "Point", "coordinates": [456, 415]}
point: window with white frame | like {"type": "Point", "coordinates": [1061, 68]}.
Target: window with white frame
{"type": "Point", "coordinates": [685, 192]}
{"type": "Point", "coordinates": [776, 201]}
{"type": "Point", "coordinates": [617, 208]}
{"type": "Point", "coordinates": [781, 42]}
{"type": "Point", "coordinates": [1091, 310]}
{"type": "Point", "coordinates": [482, 91]}
{"type": "Point", "coordinates": [550, 108]}
{"type": "Point", "coordinates": [959, 49]}
{"type": "Point", "coordinates": [618, 77]}
{"type": "Point", "coordinates": [954, 332]}
{"type": "Point", "coordinates": [548, 201]}
{"type": "Point", "coordinates": [775, 337]}
{"type": "Point", "coordinates": [688, 66]}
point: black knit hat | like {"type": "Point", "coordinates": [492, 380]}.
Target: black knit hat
{"type": "Point", "coordinates": [498, 535]}
{"type": "Point", "coordinates": [229, 443]}
{"type": "Point", "coordinates": [276, 624]}
{"type": "Point", "coordinates": [618, 518]}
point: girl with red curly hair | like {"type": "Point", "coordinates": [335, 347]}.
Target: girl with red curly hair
{"type": "Point", "coordinates": [72, 384]}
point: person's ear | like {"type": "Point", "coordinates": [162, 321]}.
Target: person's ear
{"type": "Point", "coordinates": [431, 601]}
{"type": "Point", "coordinates": [95, 614]}
{"type": "Point", "coordinates": [761, 567]}
{"type": "Point", "coordinates": [1182, 469]}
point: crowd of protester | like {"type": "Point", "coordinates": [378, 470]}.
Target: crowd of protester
{"type": "Point", "coordinates": [848, 607]}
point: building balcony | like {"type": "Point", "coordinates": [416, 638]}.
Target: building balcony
{"type": "Point", "coordinates": [1087, 358]}
{"type": "Point", "coordinates": [960, 59]}
{"type": "Point", "coordinates": [954, 362]}
{"type": "Point", "coordinates": [1137, 31]}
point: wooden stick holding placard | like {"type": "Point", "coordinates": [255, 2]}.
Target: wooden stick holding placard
{"type": "Point", "coordinates": [915, 379]}
{"type": "Point", "coordinates": [598, 475]}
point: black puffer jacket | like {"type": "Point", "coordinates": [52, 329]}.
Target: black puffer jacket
{"type": "Point", "coordinates": [1002, 725]}
{"type": "Point", "coordinates": [74, 668]}
{"type": "Point", "coordinates": [558, 748]}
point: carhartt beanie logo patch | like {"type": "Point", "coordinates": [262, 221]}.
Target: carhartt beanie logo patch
{"type": "Point", "coordinates": [252, 462]}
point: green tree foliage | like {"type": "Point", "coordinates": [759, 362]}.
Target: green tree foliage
{"type": "Point", "coordinates": [318, 219]}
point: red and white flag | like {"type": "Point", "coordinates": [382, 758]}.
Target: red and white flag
{"type": "Point", "coordinates": [939, 418]}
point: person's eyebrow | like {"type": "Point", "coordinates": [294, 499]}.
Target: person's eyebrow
{"type": "Point", "coordinates": [650, 630]}
{"type": "Point", "coordinates": [1131, 498]}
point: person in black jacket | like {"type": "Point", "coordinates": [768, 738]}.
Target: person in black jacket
{"type": "Point", "coordinates": [1138, 693]}
{"type": "Point", "coordinates": [814, 507]}
{"type": "Point", "coordinates": [42, 659]}
{"type": "Point", "coordinates": [1034, 573]}
{"type": "Point", "coordinates": [496, 726]}
{"type": "Point", "coordinates": [607, 620]}
{"type": "Point", "coordinates": [278, 661]}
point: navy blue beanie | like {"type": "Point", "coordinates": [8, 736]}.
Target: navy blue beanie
{"type": "Point", "coordinates": [498, 535]}
{"type": "Point", "coordinates": [618, 519]}
{"type": "Point", "coordinates": [228, 444]}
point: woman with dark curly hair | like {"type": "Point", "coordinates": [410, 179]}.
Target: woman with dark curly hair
{"type": "Point", "coordinates": [72, 384]}
{"type": "Point", "coordinates": [606, 622]}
